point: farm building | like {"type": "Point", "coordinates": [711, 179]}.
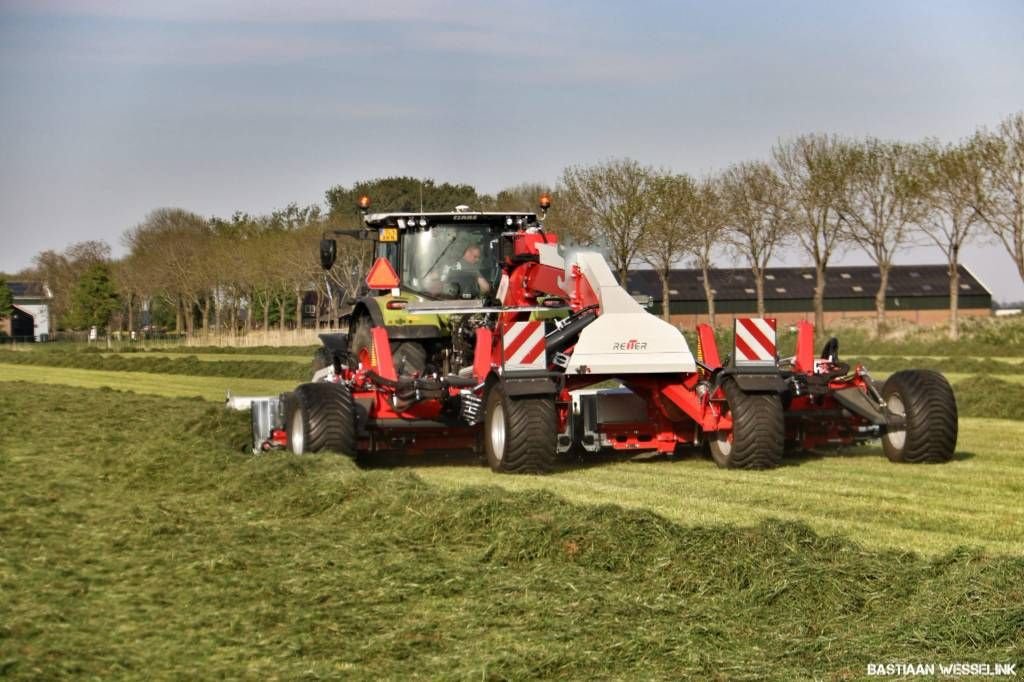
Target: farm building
{"type": "Point", "coordinates": [30, 319]}
{"type": "Point", "coordinates": [919, 293]}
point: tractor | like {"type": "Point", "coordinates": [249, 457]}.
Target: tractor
{"type": "Point", "coordinates": [478, 333]}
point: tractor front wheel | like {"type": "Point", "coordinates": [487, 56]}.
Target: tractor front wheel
{"type": "Point", "coordinates": [520, 433]}
{"type": "Point", "coordinates": [320, 417]}
{"type": "Point", "coordinates": [409, 357]}
{"type": "Point", "coordinates": [757, 437]}
{"type": "Point", "coordinates": [925, 399]}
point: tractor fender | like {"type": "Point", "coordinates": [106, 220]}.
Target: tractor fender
{"type": "Point", "coordinates": [369, 306]}
{"type": "Point", "coordinates": [756, 383]}
{"type": "Point", "coordinates": [518, 386]}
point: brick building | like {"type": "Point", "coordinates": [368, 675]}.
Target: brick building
{"type": "Point", "coordinates": [919, 293]}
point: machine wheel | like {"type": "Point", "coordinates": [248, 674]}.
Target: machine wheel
{"type": "Point", "coordinates": [410, 357]}
{"type": "Point", "coordinates": [758, 431]}
{"type": "Point", "coordinates": [926, 399]}
{"type": "Point", "coordinates": [519, 433]}
{"type": "Point", "coordinates": [321, 416]}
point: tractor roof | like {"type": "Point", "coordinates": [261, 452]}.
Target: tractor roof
{"type": "Point", "coordinates": [449, 217]}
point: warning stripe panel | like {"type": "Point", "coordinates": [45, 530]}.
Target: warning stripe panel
{"type": "Point", "coordinates": [754, 339]}
{"type": "Point", "coordinates": [525, 346]}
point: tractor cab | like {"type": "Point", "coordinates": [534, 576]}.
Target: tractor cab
{"type": "Point", "coordinates": [446, 256]}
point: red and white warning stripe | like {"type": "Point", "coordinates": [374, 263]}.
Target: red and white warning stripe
{"type": "Point", "coordinates": [754, 340]}
{"type": "Point", "coordinates": [524, 346]}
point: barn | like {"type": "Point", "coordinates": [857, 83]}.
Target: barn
{"type": "Point", "coordinates": [30, 319]}
{"type": "Point", "coordinates": [919, 293]}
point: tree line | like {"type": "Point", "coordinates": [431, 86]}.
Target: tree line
{"type": "Point", "coordinates": [821, 194]}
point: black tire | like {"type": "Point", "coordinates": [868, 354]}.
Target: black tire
{"type": "Point", "coordinates": [409, 357]}
{"type": "Point", "coordinates": [758, 435]}
{"type": "Point", "coordinates": [520, 433]}
{"type": "Point", "coordinates": [927, 400]}
{"type": "Point", "coordinates": [321, 417]}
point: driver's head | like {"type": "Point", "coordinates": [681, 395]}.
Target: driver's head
{"type": "Point", "coordinates": [471, 254]}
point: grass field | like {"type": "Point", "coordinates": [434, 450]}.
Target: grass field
{"type": "Point", "coordinates": [138, 542]}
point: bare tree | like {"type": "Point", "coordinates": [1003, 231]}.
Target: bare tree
{"type": "Point", "coordinates": [816, 169]}
{"type": "Point", "coordinates": [708, 215]}
{"type": "Point", "coordinates": [881, 206]}
{"type": "Point", "coordinates": [1002, 205]}
{"type": "Point", "coordinates": [611, 201]}
{"type": "Point", "coordinates": [671, 232]}
{"type": "Point", "coordinates": [952, 180]}
{"type": "Point", "coordinates": [757, 207]}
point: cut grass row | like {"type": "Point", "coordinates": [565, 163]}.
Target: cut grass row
{"type": "Point", "coordinates": [977, 396]}
{"type": "Point", "coordinates": [167, 385]}
{"type": "Point", "coordinates": [977, 499]}
{"type": "Point", "coordinates": [187, 365]}
{"type": "Point", "coordinates": [138, 542]}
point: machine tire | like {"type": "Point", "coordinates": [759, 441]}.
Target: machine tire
{"type": "Point", "coordinates": [927, 400]}
{"type": "Point", "coordinates": [410, 357]}
{"type": "Point", "coordinates": [321, 416]}
{"type": "Point", "coordinates": [519, 433]}
{"type": "Point", "coordinates": [758, 434]}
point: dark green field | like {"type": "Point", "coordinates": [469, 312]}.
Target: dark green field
{"type": "Point", "coordinates": [139, 541]}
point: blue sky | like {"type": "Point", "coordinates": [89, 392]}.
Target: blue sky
{"type": "Point", "coordinates": [111, 109]}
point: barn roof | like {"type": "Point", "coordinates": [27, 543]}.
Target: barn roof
{"type": "Point", "coordinates": [21, 290]}
{"type": "Point", "coordinates": [842, 281]}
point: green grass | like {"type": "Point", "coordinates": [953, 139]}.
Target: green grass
{"type": "Point", "coordinates": [218, 357]}
{"type": "Point", "coordinates": [168, 385]}
{"type": "Point", "coordinates": [190, 365]}
{"type": "Point", "coordinates": [978, 499]}
{"type": "Point", "coordinates": [138, 542]}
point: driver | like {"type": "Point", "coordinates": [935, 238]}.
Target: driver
{"type": "Point", "coordinates": [469, 266]}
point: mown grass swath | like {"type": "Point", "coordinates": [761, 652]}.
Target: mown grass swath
{"type": "Point", "coordinates": [186, 365]}
{"type": "Point", "coordinates": [137, 541]}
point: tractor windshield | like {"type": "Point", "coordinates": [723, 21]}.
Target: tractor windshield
{"type": "Point", "coordinates": [451, 261]}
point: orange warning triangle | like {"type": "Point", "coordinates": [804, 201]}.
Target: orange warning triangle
{"type": "Point", "coordinates": [382, 275]}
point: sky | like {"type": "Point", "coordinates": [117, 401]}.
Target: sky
{"type": "Point", "coordinates": [109, 110]}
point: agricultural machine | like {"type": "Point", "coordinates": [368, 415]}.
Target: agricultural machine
{"type": "Point", "coordinates": [477, 333]}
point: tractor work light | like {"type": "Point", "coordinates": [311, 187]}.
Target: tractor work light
{"type": "Point", "coordinates": [364, 203]}
{"type": "Point", "coordinates": [545, 201]}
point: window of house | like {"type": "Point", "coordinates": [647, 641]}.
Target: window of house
{"type": "Point", "coordinates": [808, 275]}
{"type": "Point", "coordinates": [858, 289]}
{"type": "Point", "coordinates": [749, 291]}
{"type": "Point", "coordinates": [780, 290]}
{"type": "Point", "coordinates": [845, 275]}
{"type": "Point", "coordinates": [769, 276]}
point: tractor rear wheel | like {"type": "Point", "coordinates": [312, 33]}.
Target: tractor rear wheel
{"type": "Point", "coordinates": [321, 417]}
{"type": "Point", "coordinates": [927, 402]}
{"type": "Point", "coordinates": [409, 357]}
{"type": "Point", "coordinates": [758, 434]}
{"type": "Point", "coordinates": [520, 433]}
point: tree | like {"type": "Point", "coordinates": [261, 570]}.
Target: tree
{"type": "Point", "coordinates": [881, 205]}
{"type": "Point", "coordinates": [6, 299]}
{"type": "Point", "coordinates": [816, 169]}
{"type": "Point", "coordinates": [708, 215]}
{"type": "Point", "coordinates": [612, 202]}
{"type": "Point", "coordinates": [671, 232]}
{"type": "Point", "coordinates": [62, 270]}
{"type": "Point", "coordinates": [757, 206]}
{"type": "Point", "coordinates": [952, 180]}
{"type": "Point", "coordinates": [402, 194]}
{"type": "Point", "coordinates": [1002, 202]}
{"type": "Point", "coordinates": [94, 298]}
